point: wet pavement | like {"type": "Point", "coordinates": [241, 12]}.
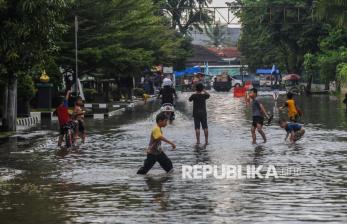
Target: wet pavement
{"type": "Point", "coordinates": [98, 182]}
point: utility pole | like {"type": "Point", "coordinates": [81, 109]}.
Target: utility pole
{"type": "Point", "coordinates": [76, 56]}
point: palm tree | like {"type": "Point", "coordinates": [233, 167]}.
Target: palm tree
{"type": "Point", "coordinates": [333, 10]}
{"type": "Point", "coordinates": [216, 34]}
{"type": "Point", "coordinates": [186, 14]}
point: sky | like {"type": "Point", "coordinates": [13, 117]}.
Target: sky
{"type": "Point", "coordinates": [223, 12]}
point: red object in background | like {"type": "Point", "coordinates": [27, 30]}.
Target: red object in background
{"type": "Point", "coordinates": [240, 91]}
{"type": "Point", "coordinates": [248, 85]}
{"type": "Point", "coordinates": [291, 77]}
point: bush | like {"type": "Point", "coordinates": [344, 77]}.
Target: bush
{"type": "Point", "coordinates": [90, 94]}
{"type": "Point", "coordinates": [138, 92]}
{"type": "Point", "coordinates": [26, 88]}
{"type": "Point", "coordinates": [116, 96]}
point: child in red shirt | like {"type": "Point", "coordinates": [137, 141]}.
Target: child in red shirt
{"type": "Point", "coordinates": [63, 116]}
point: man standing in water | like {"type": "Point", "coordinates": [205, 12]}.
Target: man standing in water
{"type": "Point", "coordinates": [258, 112]}
{"type": "Point", "coordinates": [199, 111]}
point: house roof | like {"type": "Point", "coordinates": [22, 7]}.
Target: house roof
{"type": "Point", "coordinates": [228, 52]}
{"type": "Point", "coordinates": [201, 54]}
{"type": "Point", "coordinates": [215, 56]}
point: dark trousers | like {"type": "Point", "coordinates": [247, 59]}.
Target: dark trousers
{"type": "Point", "coordinates": [151, 159]}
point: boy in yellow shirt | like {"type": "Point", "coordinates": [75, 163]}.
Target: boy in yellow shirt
{"type": "Point", "coordinates": [154, 151]}
{"type": "Point", "coordinates": [293, 112]}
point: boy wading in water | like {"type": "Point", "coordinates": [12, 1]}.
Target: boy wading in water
{"type": "Point", "coordinates": [258, 112]}
{"type": "Point", "coordinates": [154, 151]}
{"type": "Point", "coordinates": [79, 116]}
{"type": "Point", "coordinates": [295, 131]}
{"type": "Point", "coordinates": [199, 111]}
{"type": "Point", "coordinates": [63, 117]}
{"type": "Point", "coordinates": [293, 111]}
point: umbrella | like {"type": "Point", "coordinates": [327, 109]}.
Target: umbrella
{"type": "Point", "coordinates": [291, 77]}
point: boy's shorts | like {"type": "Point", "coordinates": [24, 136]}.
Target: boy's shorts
{"type": "Point", "coordinates": [200, 120]}
{"type": "Point", "coordinates": [81, 126]}
{"type": "Point", "coordinates": [297, 136]}
{"type": "Point", "coordinates": [257, 120]}
{"type": "Point", "coordinates": [70, 124]}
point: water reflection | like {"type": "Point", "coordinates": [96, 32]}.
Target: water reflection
{"type": "Point", "coordinates": [160, 194]}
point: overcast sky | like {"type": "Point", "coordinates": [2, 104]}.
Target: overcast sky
{"type": "Point", "coordinates": [219, 3]}
{"type": "Point", "coordinates": [224, 12]}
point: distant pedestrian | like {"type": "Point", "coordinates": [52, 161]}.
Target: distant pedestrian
{"type": "Point", "coordinates": [199, 111]}
{"type": "Point", "coordinates": [125, 85]}
{"type": "Point", "coordinates": [79, 117]}
{"type": "Point", "coordinates": [64, 119]}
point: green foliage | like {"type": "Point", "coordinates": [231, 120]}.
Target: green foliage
{"type": "Point", "coordinates": [119, 37]}
{"type": "Point", "coordinates": [26, 88]}
{"type": "Point", "coordinates": [269, 40]}
{"type": "Point", "coordinates": [342, 73]}
{"type": "Point", "coordinates": [138, 92]}
{"type": "Point", "coordinates": [216, 34]}
{"type": "Point", "coordinates": [310, 66]}
{"type": "Point", "coordinates": [186, 14]}
{"type": "Point", "coordinates": [327, 61]}
{"type": "Point", "coordinates": [90, 94]}
{"type": "Point", "coordinates": [29, 30]}
{"type": "Point", "coordinates": [334, 11]}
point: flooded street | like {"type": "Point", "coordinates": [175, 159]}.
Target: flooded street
{"type": "Point", "coordinates": [98, 183]}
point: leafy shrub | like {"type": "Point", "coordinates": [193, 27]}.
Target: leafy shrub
{"type": "Point", "coordinates": [138, 92]}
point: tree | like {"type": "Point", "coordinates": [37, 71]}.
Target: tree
{"type": "Point", "coordinates": [267, 40]}
{"type": "Point", "coordinates": [333, 10]}
{"type": "Point", "coordinates": [216, 34]}
{"type": "Point", "coordinates": [327, 61]}
{"type": "Point", "coordinates": [342, 73]}
{"type": "Point", "coordinates": [29, 30]}
{"type": "Point", "coordinates": [186, 14]}
{"type": "Point", "coordinates": [119, 38]}
{"type": "Point", "coordinates": [310, 66]}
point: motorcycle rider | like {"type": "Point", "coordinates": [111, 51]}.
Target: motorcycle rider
{"type": "Point", "coordinates": [168, 94]}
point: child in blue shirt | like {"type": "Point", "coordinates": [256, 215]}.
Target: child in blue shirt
{"type": "Point", "coordinates": [294, 130]}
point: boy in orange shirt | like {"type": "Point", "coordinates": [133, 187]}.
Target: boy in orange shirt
{"type": "Point", "coordinates": [293, 111]}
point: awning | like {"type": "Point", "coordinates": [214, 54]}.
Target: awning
{"type": "Point", "coordinates": [188, 71]}
{"type": "Point", "coordinates": [265, 71]}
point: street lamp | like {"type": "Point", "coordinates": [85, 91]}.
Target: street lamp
{"type": "Point", "coordinates": [76, 56]}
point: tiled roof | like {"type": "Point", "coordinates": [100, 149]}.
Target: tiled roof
{"type": "Point", "coordinates": [229, 52]}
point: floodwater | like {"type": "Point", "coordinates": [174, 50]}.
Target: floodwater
{"type": "Point", "coordinates": [98, 182]}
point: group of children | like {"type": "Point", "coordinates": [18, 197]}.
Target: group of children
{"type": "Point", "coordinates": [74, 121]}
{"type": "Point", "coordinates": [292, 128]}
{"type": "Point", "coordinates": [156, 154]}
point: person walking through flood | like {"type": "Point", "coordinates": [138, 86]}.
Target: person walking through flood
{"type": "Point", "coordinates": [79, 117]}
{"type": "Point", "coordinates": [154, 151]}
{"type": "Point", "coordinates": [258, 113]}
{"type": "Point", "coordinates": [199, 111]}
